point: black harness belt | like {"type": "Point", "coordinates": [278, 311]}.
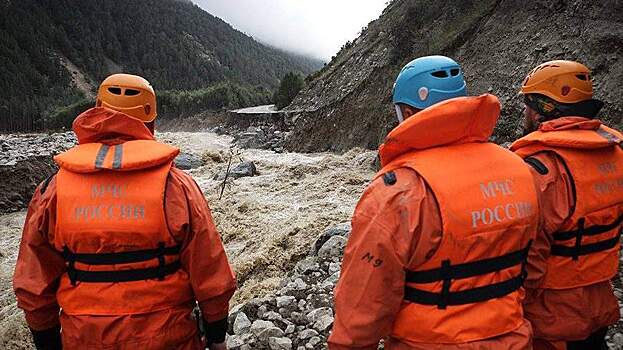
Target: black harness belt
{"type": "Point", "coordinates": [580, 249]}
{"type": "Point", "coordinates": [129, 257]}
{"type": "Point", "coordinates": [447, 272]}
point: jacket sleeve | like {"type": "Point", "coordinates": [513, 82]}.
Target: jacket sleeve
{"type": "Point", "coordinates": [203, 255]}
{"type": "Point", "coordinates": [555, 202]}
{"type": "Point", "coordinates": [39, 266]}
{"type": "Point", "coordinates": [386, 227]}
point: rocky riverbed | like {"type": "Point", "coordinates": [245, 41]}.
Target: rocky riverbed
{"type": "Point", "coordinates": [284, 220]}
{"type": "Point", "coordinates": [268, 219]}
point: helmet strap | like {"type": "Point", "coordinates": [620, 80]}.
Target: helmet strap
{"type": "Point", "coordinates": [399, 113]}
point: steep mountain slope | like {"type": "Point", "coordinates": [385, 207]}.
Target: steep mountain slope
{"type": "Point", "coordinates": [52, 52]}
{"type": "Point", "coordinates": [348, 103]}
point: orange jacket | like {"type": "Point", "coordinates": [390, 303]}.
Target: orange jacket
{"type": "Point", "coordinates": [409, 222]}
{"type": "Point", "coordinates": [84, 210]}
{"type": "Point", "coordinates": [574, 166]}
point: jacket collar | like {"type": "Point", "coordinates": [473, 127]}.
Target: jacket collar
{"type": "Point", "coordinates": [104, 125]}
{"type": "Point", "coordinates": [454, 121]}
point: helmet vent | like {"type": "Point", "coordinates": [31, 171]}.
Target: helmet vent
{"type": "Point", "coordinates": [454, 72]}
{"type": "Point", "coordinates": [131, 92]}
{"type": "Point", "coordinates": [114, 90]}
{"type": "Point", "coordinates": [440, 74]}
{"type": "Point", "coordinates": [581, 77]}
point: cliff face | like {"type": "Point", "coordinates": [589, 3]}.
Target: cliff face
{"type": "Point", "coordinates": [498, 42]}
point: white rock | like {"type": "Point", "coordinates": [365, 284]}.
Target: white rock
{"type": "Point", "coordinates": [308, 333]}
{"type": "Point", "coordinates": [259, 326]}
{"type": "Point", "coordinates": [242, 324]}
{"type": "Point", "coordinates": [323, 323]}
{"type": "Point", "coordinates": [279, 343]}
{"type": "Point", "coordinates": [316, 314]}
{"type": "Point", "coordinates": [286, 301]}
{"type": "Point", "coordinates": [264, 335]}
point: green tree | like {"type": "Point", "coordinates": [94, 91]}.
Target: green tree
{"type": "Point", "coordinates": [289, 87]}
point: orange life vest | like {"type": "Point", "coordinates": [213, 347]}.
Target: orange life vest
{"type": "Point", "coordinates": [470, 289]}
{"type": "Point", "coordinates": [112, 230]}
{"type": "Point", "coordinates": [585, 251]}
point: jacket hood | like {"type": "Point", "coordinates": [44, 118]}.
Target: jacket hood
{"type": "Point", "coordinates": [570, 132]}
{"type": "Point", "coordinates": [105, 125]}
{"type": "Point", "coordinates": [570, 123]}
{"type": "Point", "coordinates": [454, 121]}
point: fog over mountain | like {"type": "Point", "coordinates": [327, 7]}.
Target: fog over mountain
{"type": "Point", "coordinates": [315, 28]}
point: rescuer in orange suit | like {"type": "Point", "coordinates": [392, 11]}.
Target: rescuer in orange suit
{"type": "Point", "coordinates": [119, 245]}
{"type": "Point", "coordinates": [440, 237]}
{"type": "Point", "coordinates": [577, 163]}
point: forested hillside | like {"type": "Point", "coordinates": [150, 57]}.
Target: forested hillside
{"type": "Point", "coordinates": [53, 53]}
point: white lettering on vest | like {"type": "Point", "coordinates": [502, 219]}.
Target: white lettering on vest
{"type": "Point", "coordinates": [125, 212]}
{"type": "Point", "coordinates": [111, 189]}
{"type": "Point", "coordinates": [501, 213]}
{"type": "Point", "coordinates": [492, 188]}
{"type": "Point", "coordinates": [607, 168]}
{"type": "Point", "coordinates": [608, 187]}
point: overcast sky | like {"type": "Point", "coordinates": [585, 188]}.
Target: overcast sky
{"type": "Point", "coordinates": [312, 27]}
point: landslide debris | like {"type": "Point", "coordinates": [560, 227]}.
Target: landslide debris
{"type": "Point", "coordinates": [348, 103]}
{"type": "Point", "coordinates": [25, 161]}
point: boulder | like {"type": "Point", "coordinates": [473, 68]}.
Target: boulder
{"type": "Point", "coordinates": [342, 230]}
{"type": "Point", "coordinates": [187, 161]}
{"type": "Point", "coordinates": [332, 248]}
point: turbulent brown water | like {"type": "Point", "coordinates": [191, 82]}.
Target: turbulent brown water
{"type": "Point", "coordinates": [267, 222]}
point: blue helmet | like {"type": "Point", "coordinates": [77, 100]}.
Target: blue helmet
{"type": "Point", "coordinates": [428, 80]}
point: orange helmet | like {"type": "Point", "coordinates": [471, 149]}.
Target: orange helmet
{"type": "Point", "coordinates": [129, 94]}
{"type": "Point", "coordinates": [562, 81]}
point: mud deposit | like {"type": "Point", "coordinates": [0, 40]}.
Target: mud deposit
{"type": "Point", "coordinates": [13, 331]}
{"type": "Point", "coordinates": [267, 222]}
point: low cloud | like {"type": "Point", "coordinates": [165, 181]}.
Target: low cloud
{"type": "Point", "coordinates": [316, 28]}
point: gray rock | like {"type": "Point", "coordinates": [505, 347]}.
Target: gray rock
{"type": "Point", "coordinates": [323, 323]}
{"type": "Point", "coordinates": [286, 301]}
{"type": "Point", "coordinates": [333, 247]}
{"type": "Point", "coordinates": [275, 343]}
{"type": "Point", "coordinates": [290, 329]}
{"type": "Point", "coordinates": [318, 313]}
{"type": "Point", "coordinates": [617, 340]}
{"type": "Point", "coordinates": [240, 342]}
{"type": "Point", "coordinates": [308, 333]}
{"type": "Point", "coordinates": [187, 161]}
{"type": "Point", "coordinates": [307, 266]}
{"type": "Point", "coordinates": [248, 308]}
{"type": "Point", "coordinates": [334, 267]}
{"type": "Point", "coordinates": [261, 311]}
{"type": "Point", "coordinates": [313, 342]}
{"type": "Point", "coordinates": [331, 281]}
{"type": "Point", "coordinates": [242, 324]}
{"type": "Point", "coordinates": [276, 318]}
{"type": "Point", "coordinates": [264, 335]}
{"type": "Point", "coordinates": [243, 169]}
{"type": "Point", "coordinates": [234, 341]}
{"type": "Point", "coordinates": [342, 230]}
{"type": "Point", "coordinates": [298, 284]}
{"type": "Point", "coordinates": [258, 326]}
{"type": "Point", "coordinates": [298, 318]}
